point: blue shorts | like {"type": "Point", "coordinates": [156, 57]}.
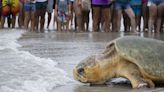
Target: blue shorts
{"type": "Point", "coordinates": [41, 5]}
{"type": "Point", "coordinates": [157, 2]}
{"type": "Point", "coordinates": [29, 7]}
{"type": "Point", "coordinates": [119, 5]}
{"type": "Point", "coordinates": [137, 10]}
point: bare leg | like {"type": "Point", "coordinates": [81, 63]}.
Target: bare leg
{"type": "Point", "coordinates": [32, 21]}
{"type": "Point", "coordinates": [9, 21]}
{"type": "Point", "coordinates": [21, 16]}
{"type": "Point", "coordinates": [59, 26]}
{"type": "Point", "coordinates": [2, 21]}
{"type": "Point", "coordinates": [26, 20]}
{"type": "Point", "coordinates": [42, 20]}
{"type": "Point", "coordinates": [126, 22]}
{"type": "Point", "coordinates": [152, 16]}
{"type": "Point", "coordinates": [145, 16]}
{"type": "Point", "coordinates": [49, 19]}
{"type": "Point", "coordinates": [83, 20]}
{"type": "Point", "coordinates": [20, 21]}
{"type": "Point", "coordinates": [67, 26]}
{"type": "Point", "coordinates": [55, 21]}
{"type": "Point", "coordinates": [96, 18]}
{"type": "Point", "coordinates": [138, 22]}
{"type": "Point", "coordinates": [114, 27]}
{"type": "Point", "coordinates": [79, 20]}
{"type": "Point", "coordinates": [13, 21]}
{"type": "Point", "coordinates": [106, 14]}
{"type": "Point", "coordinates": [75, 23]}
{"type": "Point", "coordinates": [159, 18]}
{"type": "Point", "coordinates": [37, 15]}
{"type": "Point", "coordinates": [87, 21]}
{"type": "Point", "coordinates": [131, 15]}
{"type": "Point", "coordinates": [118, 20]}
{"type": "Point", "coordinates": [72, 12]}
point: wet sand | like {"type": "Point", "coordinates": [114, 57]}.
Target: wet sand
{"type": "Point", "coordinates": [68, 48]}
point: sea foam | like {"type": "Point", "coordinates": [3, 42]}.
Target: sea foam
{"type": "Point", "coordinates": [21, 71]}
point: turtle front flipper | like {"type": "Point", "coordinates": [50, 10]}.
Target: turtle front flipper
{"type": "Point", "coordinates": [139, 82]}
{"type": "Point", "coordinates": [150, 83]}
{"type": "Point", "coordinates": [132, 73]}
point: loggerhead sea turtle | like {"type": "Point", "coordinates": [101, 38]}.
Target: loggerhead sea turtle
{"type": "Point", "coordinates": [140, 60]}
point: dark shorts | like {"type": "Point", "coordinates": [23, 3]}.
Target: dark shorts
{"type": "Point", "coordinates": [120, 5]}
{"type": "Point", "coordinates": [29, 7]}
{"type": "Point", "coordinates": [41, 5]}
{"type": "Point", "coordinates": [137, 10]}
{"type": "Point", "coordinates": [157, 2]}
{"type": "Point", "coordinates": [144, 1]}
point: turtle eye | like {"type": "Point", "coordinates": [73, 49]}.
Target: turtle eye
{"type": "Point", "coordinates": [80, 71]}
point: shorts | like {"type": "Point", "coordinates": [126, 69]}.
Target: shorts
{"type": "Point", "coordinates": [28, 7]}
{"type": "Point", "coordinates": [22, 1]}
{"type": "Point", "coordinates": [119, 5]}
{"type": "Point", "coordinates": [156, 2]}
{"type": "Point", "coordinates": [63, 17]}
{"type": "Point", "coordinates": [41, 5]}
{"type": "Point", "coordinates": [12, 9]}
{"type": "Point", "coordinates": [137, 10]}
{"type": "Point", "coordinates": [50, 6]}
{"type": "Point", "coordinates": [144, 1]}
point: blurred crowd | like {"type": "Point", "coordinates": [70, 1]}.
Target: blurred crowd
{"type": "Point", "coordinates": [68, 15]}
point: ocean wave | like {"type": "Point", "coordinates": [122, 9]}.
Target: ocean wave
{"type": "Point", "coordinates": [20, 71]}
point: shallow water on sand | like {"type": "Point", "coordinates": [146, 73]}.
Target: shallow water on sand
{"type": "Point", "coordinates": [67, 49]}
{"type": "Point", "coordinates": [21, 71]}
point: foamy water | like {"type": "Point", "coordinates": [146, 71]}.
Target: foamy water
{"type": "Point", "coordinates": [21, 71]}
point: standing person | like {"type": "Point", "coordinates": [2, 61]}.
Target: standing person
{"type": "Point", "coordinates": [137, 7]}
{"type": "Point", "coordinates": [55, 19]}
{"type": "Point", "coordinates": [21, 14]}
{"type": "Point", "coordinates": [72, 12]}
{"type": "Point", "coordinates": [9, 7]}
{"type": "Point", "coordinates": [155, 15]}
{"type": "Point", "coordinates": [41, 6]}
{"type": "Point", "coordinates": [126, 22]}
{"type": "Point", "coordinates": [82, 10]}
{"type": "Point", "coordinates": [50, 6]}
{"type": "Point", "coordinates": [145, 14]}
{"type": "Point", "coordinates": [113, 17]}
{"type": "Point", "coordinates": [101, 11]}
{"type": "Point", "coordinates": [62, 13]}
{"type": "Point", "coordinates": [29, 8]}
{"type": "Point", "coordinates": [124, 5]}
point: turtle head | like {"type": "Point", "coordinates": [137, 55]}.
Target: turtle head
{"type": "Point", "coordinates": [88, 71]}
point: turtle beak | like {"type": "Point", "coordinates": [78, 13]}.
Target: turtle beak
{"type": "Point", "coordinates": [78, 77]}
